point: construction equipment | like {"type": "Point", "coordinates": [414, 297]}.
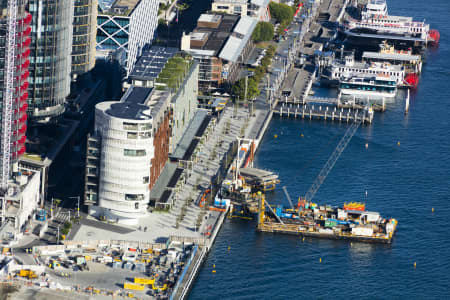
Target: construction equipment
{"type": "Point", "coordinates": [204, 198]}
{"type": "Point", "coordinates": [160, 288]}
{"type": "Point", "coordinates": [278, 218]}
{"type": "Point", "coordinates": [27, 274]}
{"type": "Point", "coordinates": [134, 287]}
{"type": "Point", "coordinates": [7, 104]}
{"type": "Point", "coordinates": [323, 173]}
{"type": "Point", "coordinates": [140, 280]}
{"type": "Point", "coordinates": [287, 196]}
{"type": "Point", "coordinates": [332, 160]}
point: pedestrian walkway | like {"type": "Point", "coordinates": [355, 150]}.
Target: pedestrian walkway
{"type": "Point", "coordinates": [210, 153]}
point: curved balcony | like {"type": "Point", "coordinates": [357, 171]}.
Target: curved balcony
{"type": "Point", "coordinates": [24, 97]}
{"type": "Point", "coordinates": [27, 42]}
{"type": "Point", "coordinates": [24, 86]}
{"type": "Point", "coordinates": [25, 75]}
{"type": "Point", "coordinates": [26, 53]}
{"type": "Point", "coordinates": [27, 19]}
{"type": "Point", "coordinates": [26, 64]}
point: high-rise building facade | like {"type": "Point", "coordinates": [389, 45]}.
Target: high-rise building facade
{"type": "Point", "coordinates": [126, 25]}
{"type": "Point", "coordinates": [14, 61]}
{"type": "Point", "coordinates": [50, 58]}
{"type": "Point", "coordinates": [84, 32]}
{"type": "Point", "coordinates": [127, 153]}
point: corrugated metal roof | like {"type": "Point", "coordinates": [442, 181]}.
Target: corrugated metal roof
{"type": "Point", "coordinates": [232, 49]}
{"type": "Point", "coordinates": [260, 2]}
{"type": "Point", "coordinates": [245, 25]}
{"type": "Point", "coordinates": [235, 45]}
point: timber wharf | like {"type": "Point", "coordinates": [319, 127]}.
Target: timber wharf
{"type": "Point", "coordinates": [326, 113]}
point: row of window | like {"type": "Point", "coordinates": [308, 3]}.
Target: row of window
{"type": "Point", "coordinates": [370, 71]}
{"type": "Point", "coordinates": [136, 126]}
{"type": "Point", "coordinates": [134, 197]}
{"type": "Point", "coordinates": [132, 152]}
{"type": "Point", "coordinates": [139, 135]}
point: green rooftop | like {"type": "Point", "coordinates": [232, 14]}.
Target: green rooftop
{"type": "Point", "coordinates": [174, 72]}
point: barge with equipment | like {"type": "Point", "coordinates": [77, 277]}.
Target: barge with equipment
{"type": "Point", "coordinates": [351, 222]}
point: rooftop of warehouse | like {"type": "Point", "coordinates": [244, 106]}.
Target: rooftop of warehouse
{"type": "Point", "coordinates": [241, 35]}
{"type": "Point", "coordinates": [216, 36]}
{"type": "Point", "coordinates": [260, 2]}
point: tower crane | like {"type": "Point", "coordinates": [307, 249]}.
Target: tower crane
{"type": "Point", "coordinates": [326, 169]}
{"type": "Point", "coordinates": [7, 101]}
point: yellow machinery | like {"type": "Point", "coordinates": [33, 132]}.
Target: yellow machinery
{"type": "Point", "coordinates": [134, 287]}
{"type": "Point", "coordinates": [262, 209]}
{"type": "Point", "coordinates": [161, 288]}
{"type": "Point", "coordinates": [140, 280]}
{"type": "Point", "coordinates": [28, 274]}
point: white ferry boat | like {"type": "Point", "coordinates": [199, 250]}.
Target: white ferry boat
{"type": "Point", "coordinates": [341, 68]}
{"type": "Point", "coordinates": [376, 21]}
{"type": "Point", "coordinates": [368, 87]}
{"type": "Point", "coordinates": [412, 64]}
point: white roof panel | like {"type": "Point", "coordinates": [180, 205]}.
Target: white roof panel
{"type": "Point", "coordinates": [232, 49]}
{"type": "Point", "coordinates": [260, 2]}
{"type": "Point", "coordinates": [245, 25]}
{"type": "Point", "coordinates": [395, 56]}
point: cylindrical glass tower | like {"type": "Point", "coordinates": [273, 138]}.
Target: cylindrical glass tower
{"type": "Point", "coordinates": [50, 58]}
{"type": "Point", "coordinates": [84, 32]}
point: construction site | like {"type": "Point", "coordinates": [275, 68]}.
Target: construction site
{"type": "Point", "coordinates": [135, 269]}
{"type": "Point", "coordinates": [306, 218]}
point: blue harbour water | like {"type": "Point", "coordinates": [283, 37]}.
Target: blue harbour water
{"type": "Point", "coordinates": [405, 171]}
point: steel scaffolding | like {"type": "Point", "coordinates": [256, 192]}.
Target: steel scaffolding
{"type": "Point", "coordinates": [9, 92]}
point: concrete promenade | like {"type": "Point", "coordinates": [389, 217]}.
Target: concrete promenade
{"type": "Point", "coordinates": [282, 73]}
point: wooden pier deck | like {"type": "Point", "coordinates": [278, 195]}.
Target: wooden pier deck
{"type": "Point", "coordinates": [339, 102]}
{"type": "Point", "coordinates": [325, 113]}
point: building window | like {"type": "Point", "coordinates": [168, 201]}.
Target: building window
{"type": "Point", "coordinates": [146, 179]}
{"type": "Point", "coordinates": [145, 126]}
{"type": "Point", "coordinates": [132, 152]}
{"type": "Point", "coordinates": [145, 135]}
{"type": "Point", "coordinates": [136, 205]}
{"type": "Point", "coordinates": [132, 135]}
{"type": "Point", "coordinates": [130, 126]}
{"type": "Point", "coordinates": [134, 197]}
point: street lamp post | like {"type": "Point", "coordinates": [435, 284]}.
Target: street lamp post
{"type": "Point", "coordinates": [51, 210]}
{"type": "Point", "coordinates": [78, 204]}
